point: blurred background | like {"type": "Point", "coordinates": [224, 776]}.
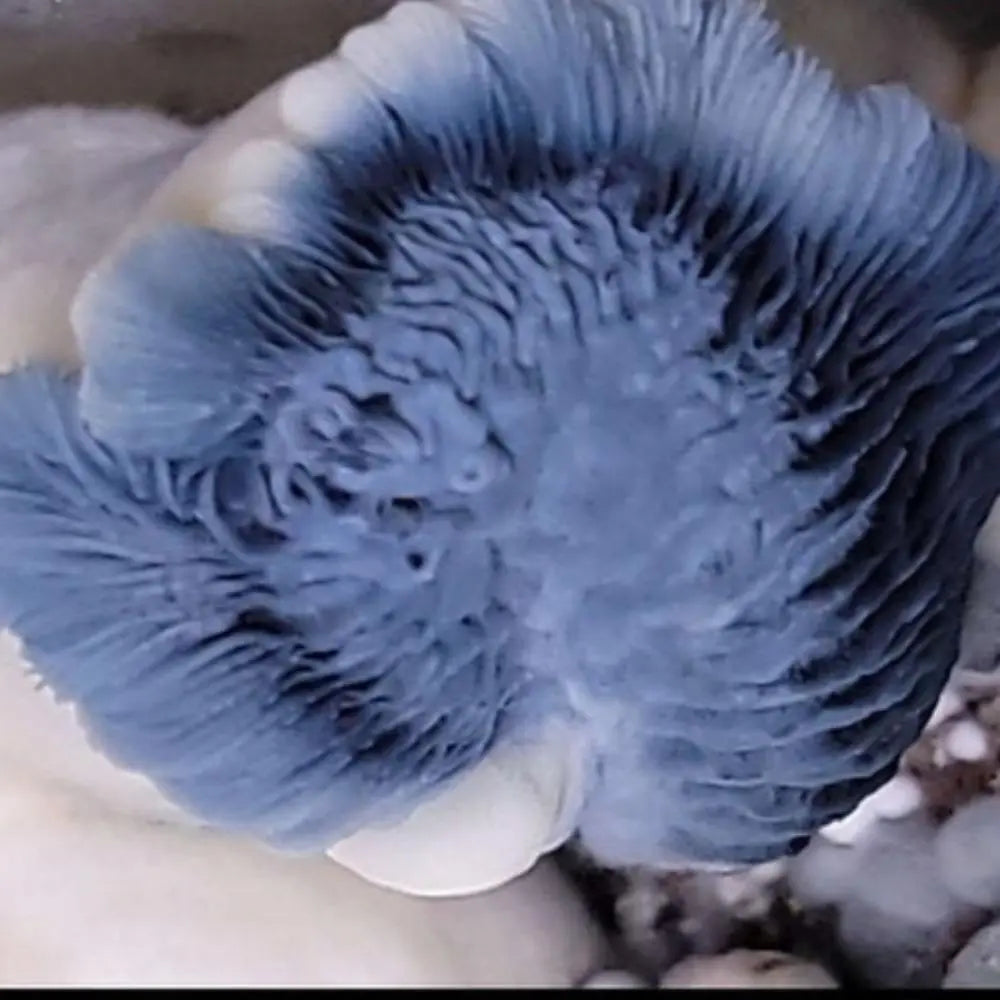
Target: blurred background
{"type": "Point", "coordinates": [193, 58]}
{"type": "Point", "coordinates": [200, 58]}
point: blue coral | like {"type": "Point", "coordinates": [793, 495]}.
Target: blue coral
{"type": "Point", "coordinates": [626, 371]}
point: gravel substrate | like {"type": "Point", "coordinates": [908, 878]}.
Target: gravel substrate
{"type": "Point", "coordinates": [900, 894]}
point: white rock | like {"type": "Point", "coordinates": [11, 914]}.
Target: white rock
{"type": "Point", "coordinates": [966, 740]}
{"type": "Point", "coordinates": [747, 970]}
{"type": "Point", "coordinates": [746, 897]}
{"type": "Point", "coordinates": [823, 873]}
{"type": "Point", "coordinates": [614, 979]}
{"type": "Point", "coordinates": [104, 883]}
{"type": "Point", "coordinates": [896, 873]}
{"type": "Point", "coordinates": [977, 965]}
{"type": "Point", "coordinates": [884, 951]}
{"type": "Point", "coordinates": [92, 898]}
{"type": "Point", "coordinates": [968, 853]}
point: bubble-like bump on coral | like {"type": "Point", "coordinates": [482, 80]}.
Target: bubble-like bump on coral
{"type": "Point", "coordinates": [487, 827]}
{"type": "Point", "coordinates": [253, 186]}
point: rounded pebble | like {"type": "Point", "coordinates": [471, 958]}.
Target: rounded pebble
{"type": "Point", "coordinates": [885, 952]}
{"type": "Point", "coordinates": [743, 969]}
{"type": "Point", "coordinates": [977, 965]}
{"type": "Point", "coordinates": [897, 874]}
{"type": "Point", "coordinates": [823, 873]}
{"type": "Point", "coordinates": [614, 979]}
{"type": "Point", "coordinates": [967, 740]}
{"type": "Point", "coordinates": [745, 896]}
{"type": "Point", "coordinates": [968, 853]}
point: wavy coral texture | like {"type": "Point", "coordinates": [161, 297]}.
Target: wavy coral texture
{"type": "Point", "coordinates": [652, 386]}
